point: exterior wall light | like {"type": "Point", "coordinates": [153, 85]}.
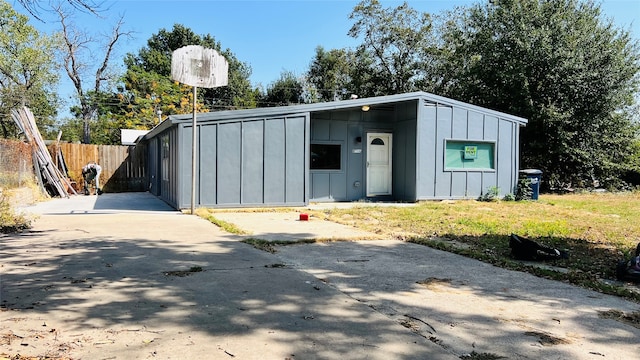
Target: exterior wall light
{"type": "Point", "coordinates": [365, 108]}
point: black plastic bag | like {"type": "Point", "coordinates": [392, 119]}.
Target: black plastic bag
{"type": "Point", "coordinates": [525, 249]}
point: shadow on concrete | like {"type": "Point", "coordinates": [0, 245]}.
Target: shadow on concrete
{"type": "Point", "coordinates": [243, 302]}
{"type": "Point", "coordinates": [469, 306]}
{"type": "Point", "coordinates": [117, 284]}
{"type": "Point", "coordinates": [107, 203]}
{"type": "Point", "coordinates": [131, 201]}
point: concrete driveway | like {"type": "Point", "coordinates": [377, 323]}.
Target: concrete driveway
{"type": "Point", "coordinates": [122, 276]}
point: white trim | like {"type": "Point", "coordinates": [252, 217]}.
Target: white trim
{"type": "Point", "coordinates": [370, 136]}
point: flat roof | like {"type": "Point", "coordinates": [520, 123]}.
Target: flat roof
{"type": "Point", "coordinates": [331, 105]}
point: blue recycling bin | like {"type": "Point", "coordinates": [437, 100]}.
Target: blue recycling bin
{"type": "Point", "coordinates": [535, 176]}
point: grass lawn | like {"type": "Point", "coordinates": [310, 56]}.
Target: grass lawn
{"type": "Point", "coordinates": [598, 230]}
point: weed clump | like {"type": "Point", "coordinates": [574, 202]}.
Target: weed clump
{"type": "Point", "coordinates": [10, 221]}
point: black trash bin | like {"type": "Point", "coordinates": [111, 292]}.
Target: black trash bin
{"type": "Point", "coordinates": [535, 176]}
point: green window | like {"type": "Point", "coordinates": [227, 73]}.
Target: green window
{"type": "Point", "coordinates": [469, 155]}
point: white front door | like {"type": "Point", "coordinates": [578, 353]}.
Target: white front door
{"type": "Point", "coordinates": [378, 164]}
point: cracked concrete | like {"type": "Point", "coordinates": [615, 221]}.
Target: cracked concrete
{"type": "Point", "coordinates": [96, 278]}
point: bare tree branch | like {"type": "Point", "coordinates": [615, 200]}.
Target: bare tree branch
{"type": "Point", "coordinates": [34, 6]}
{"type": "Point", "coordinates": [116, 35]}
{"type": "Point", "coordinates": [72, 43]}
{"type": "Point", "coordinates": [75, 43]}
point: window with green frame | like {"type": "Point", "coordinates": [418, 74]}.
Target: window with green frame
{"type": "Point", "coordinates": [469, 155]}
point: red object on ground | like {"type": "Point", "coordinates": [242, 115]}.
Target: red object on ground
{"type": "Point", "coordinates": [304, 217]}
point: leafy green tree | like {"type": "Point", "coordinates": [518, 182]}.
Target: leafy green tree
{"type": "Point", "coordinates": [329, 73]}
{"type": "Point", "coordinates": [147, 96]}
{"type": "Point", "coordinates": [27, 70]}
{"type": "Point", "coordinates": [286, 90]}
{"type": "Point", "coordinates": [396, 45]}
{"type": "Point", "coordinates": [148, 89]}
{"type": "Point", "coordinates": [105, 129]}
{"type": "Point", "coordinates": [561, 65]}
{"type": "Point", "coordinates": [71, 129]}
{"type": "Point", "coordinates": [397, 54]}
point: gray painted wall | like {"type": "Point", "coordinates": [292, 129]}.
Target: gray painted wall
{"type": "Point", "coordinates": [337, 127]}
{"type": "Point", "coordinates": [152, 163]}
{"type": "Point", "coordinates": [404, 152]}
{"type": "Point", "coordinates": [344, 127]}
{"type": "Point", "coordinates": [262, 156]}
{"type": "Point", "coordinates": [163, 174]}
{"type": "Point", "coordinates": [246, 162]}
{"type": "Point", "coordinates": [439, 123]}
{"type": "Point", "coordinates": [249, 162]}
{"type": "Point", "coordinates": [419, 134]}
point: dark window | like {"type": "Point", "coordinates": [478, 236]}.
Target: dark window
{"type": "Point", "coordinates": [325, 157]}
{"type": "Point", "coordinates": [377, 141]}
{"type": "Point", "coordinates": [165, 157]}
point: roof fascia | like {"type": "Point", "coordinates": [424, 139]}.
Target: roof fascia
{"type": "Point", "coordinates": [328, 106]}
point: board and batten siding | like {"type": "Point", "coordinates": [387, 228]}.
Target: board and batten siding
{"type": "Point", "coordinates": [348, 128]}
{"type": "Point", "coordinates": [162, 165]}
{"type": "Point", "coordinates": [404, 152]}
{"type": "Point", "coordinates": [249, 162]}
{"type": "Point", "coordinates": [438, 124]}
{"type": "Point", "coordinates": [331, 185]}
{"type": "Point", "coordinates": [261, 157]}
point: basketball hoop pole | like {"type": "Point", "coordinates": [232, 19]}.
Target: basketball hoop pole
{"type": "Point", "coordinates": [193, 152]}
{"type": "Point", "coordinates": [196, 66]}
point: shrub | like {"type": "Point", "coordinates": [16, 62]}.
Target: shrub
{"type": "Point", "coordinates": [10, 221]}
{"type": "Point", "coordinates": [491, 194]}
{"type": "Point", "coordinates": [524, 190]}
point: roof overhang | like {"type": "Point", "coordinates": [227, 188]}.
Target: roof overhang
{"type": "Point", "coordinates": [372, 102]}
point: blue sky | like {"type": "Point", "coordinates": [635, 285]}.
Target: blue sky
{"type": "Point", "coordinates": [270, 35]}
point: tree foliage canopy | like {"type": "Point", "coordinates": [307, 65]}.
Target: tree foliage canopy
{"type": "Point", "coordinates": [558, 64]}
{"type": "Point", "coordinates": [396, 54]}
{"type": "Point", "coordinates": [572, 73]}
{"type": "Point", "coordinates": [396, 45]}
{"type": "Point", "coordinates": [27, 70]}
{"type": "Point", "coordinates": [148, 89]}
{"type": "Point", "coordinates": [287, 90]}
{"type": "Point", "coordinates": [330, 72]}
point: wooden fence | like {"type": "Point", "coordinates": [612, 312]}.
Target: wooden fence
{"type": "Point", "coordinates": [123, 167]}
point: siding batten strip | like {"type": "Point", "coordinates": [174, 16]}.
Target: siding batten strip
{"type": "Point", "coordinates": [264, 158]}
{"type": "Point", "coordinates": [435, 152]}
{"type": "Point", "coordinates": [240, 190]}
{"type": "Point", "coordinates": [286, 156]}
{"type": "Point", "coordinates": [217, 175]}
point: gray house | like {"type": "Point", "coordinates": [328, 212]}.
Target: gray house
{"type": "Point", "coordinates": [406, 147]}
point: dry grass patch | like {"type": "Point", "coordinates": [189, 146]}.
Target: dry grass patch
{"type": "Point", "coordinates": [632, 319]}
{"type": "Point", "coordinates": [208, 214]}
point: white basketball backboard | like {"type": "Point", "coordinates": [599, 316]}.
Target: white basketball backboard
{"type": "Point", "coordinates": [198, 66]}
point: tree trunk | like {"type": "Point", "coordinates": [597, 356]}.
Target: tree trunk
{"type": "Point", "coordinates": [86, 129]}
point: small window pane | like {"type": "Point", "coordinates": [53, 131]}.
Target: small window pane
{"type": "Point", "coordinates": [325, 157]}
{"type": "Point", "coordinates": [377, 141]}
